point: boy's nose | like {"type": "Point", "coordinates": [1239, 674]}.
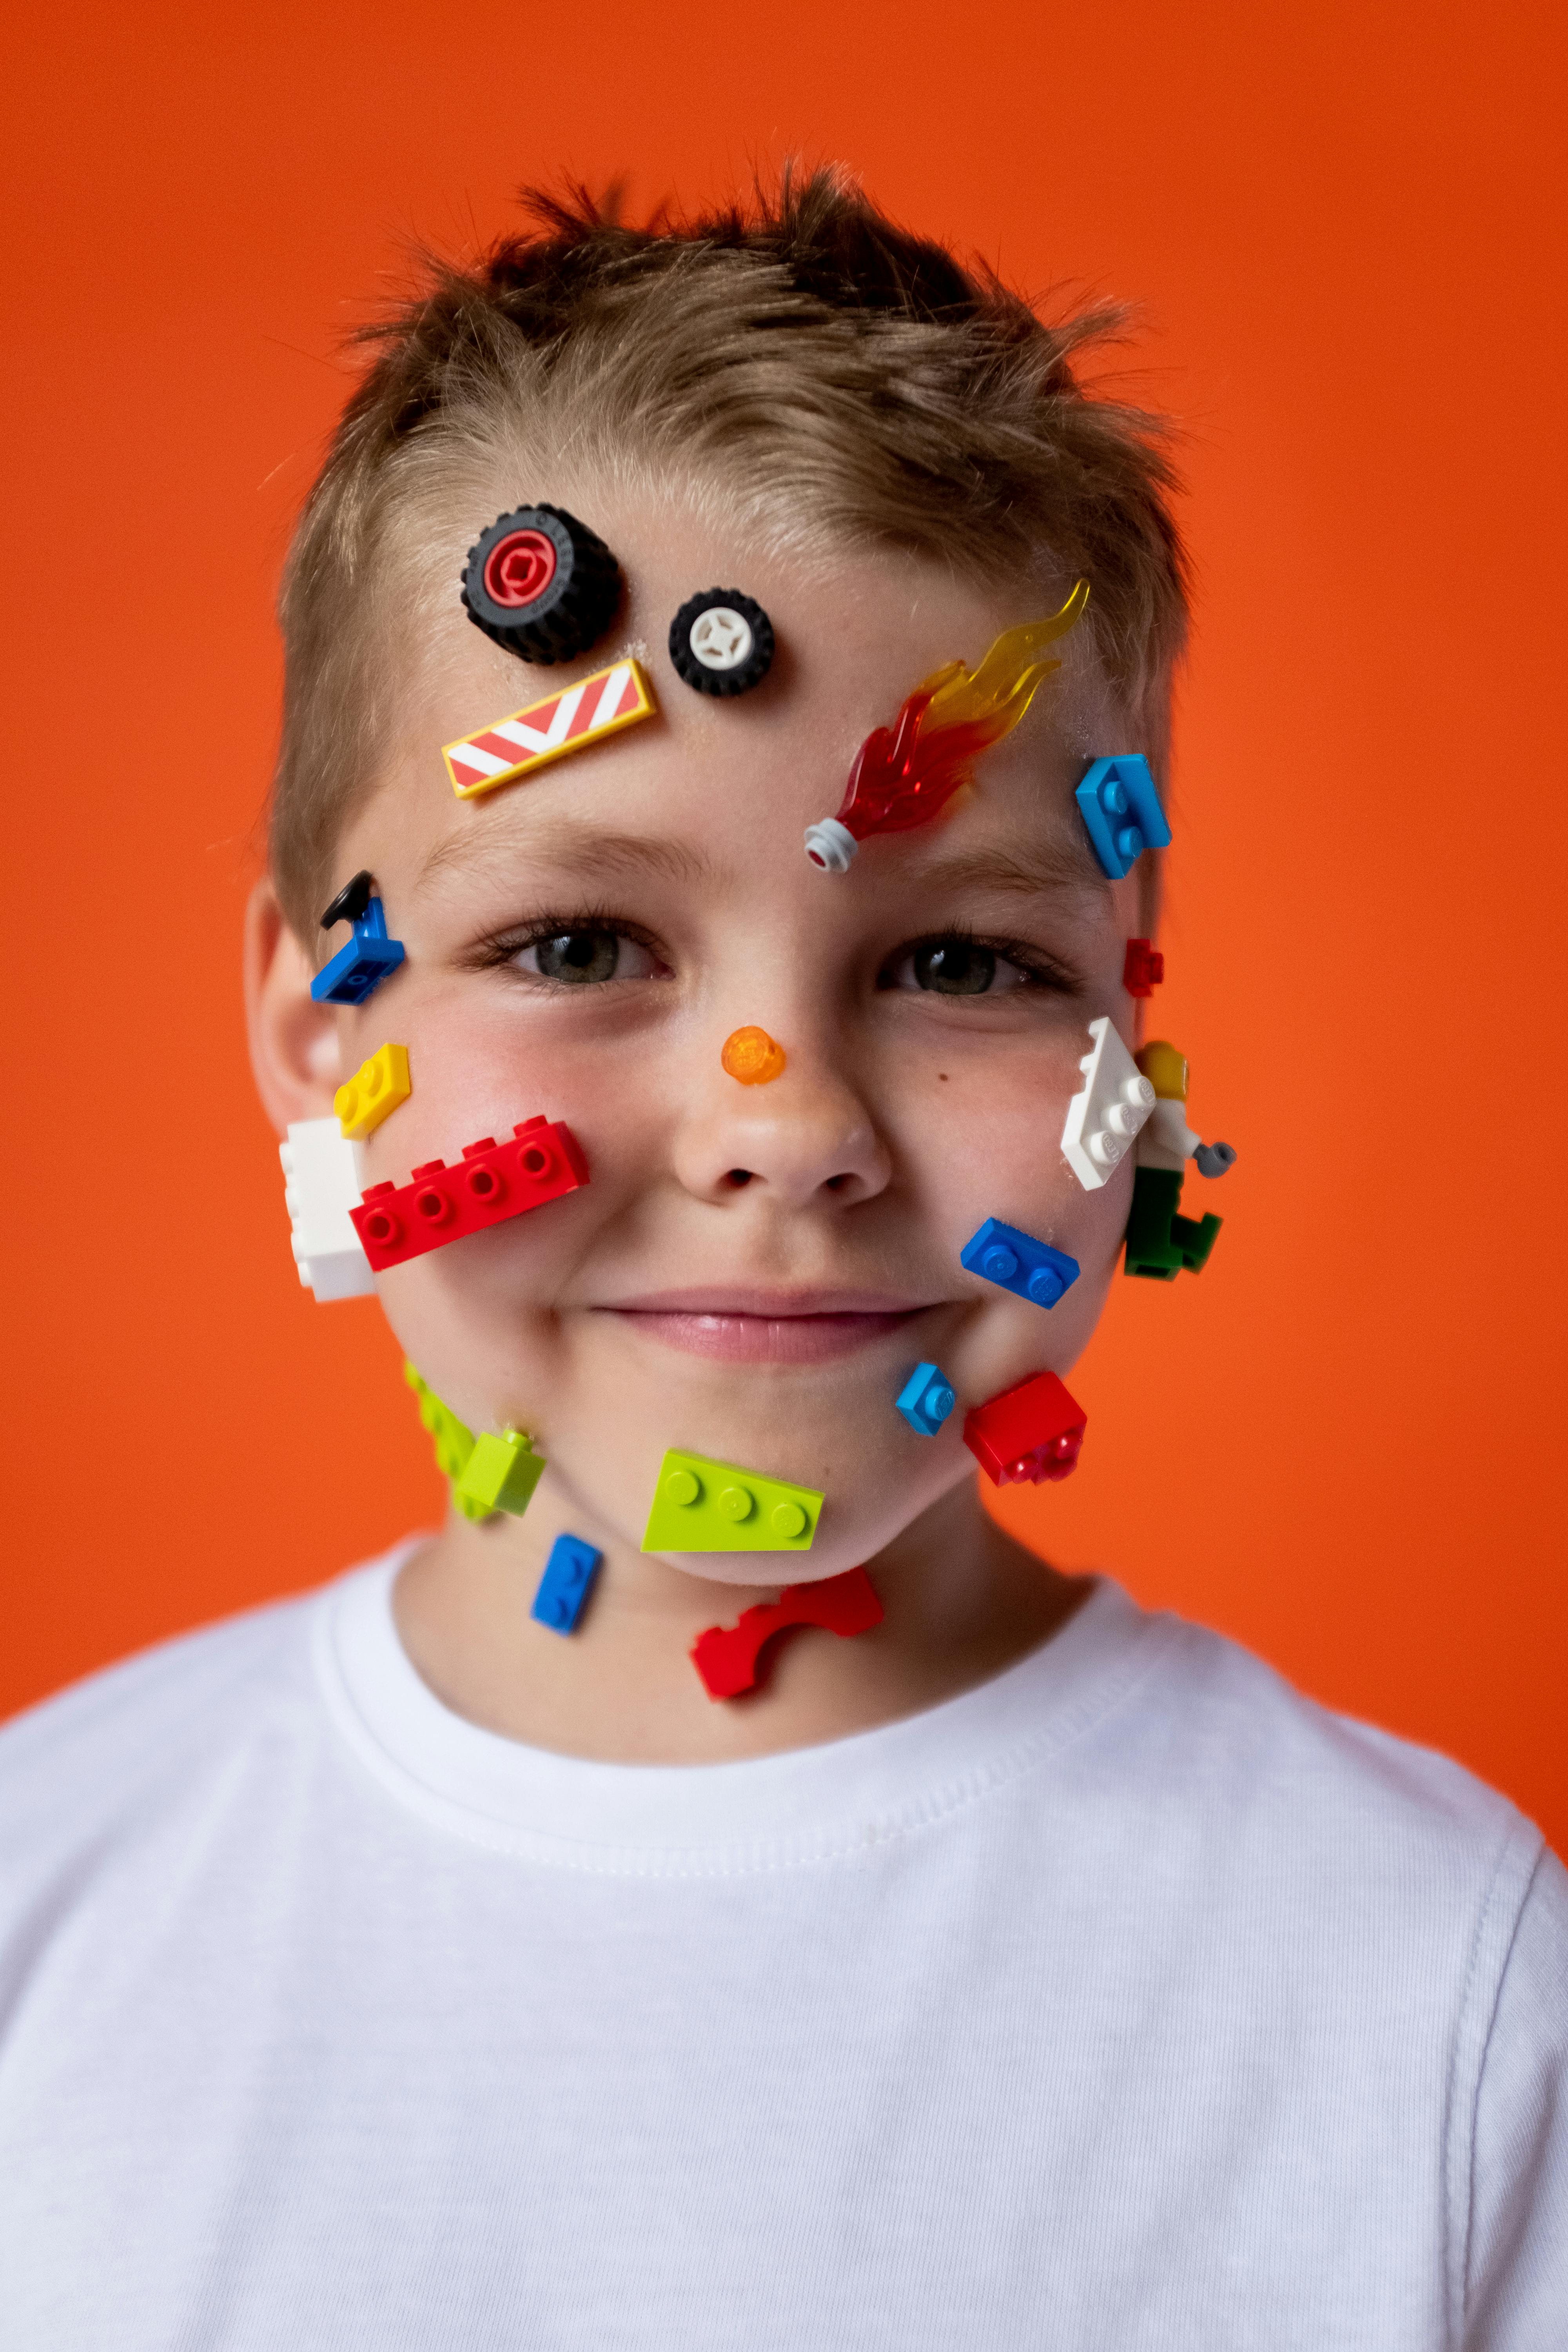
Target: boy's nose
{"type": "Point", "coordinates": [806, 1136]}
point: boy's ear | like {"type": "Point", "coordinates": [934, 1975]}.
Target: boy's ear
{"type": "Point", "coordinates": [293, 1041]}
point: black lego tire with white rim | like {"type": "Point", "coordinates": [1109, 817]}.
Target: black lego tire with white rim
{"type": "Point", "coordinates": [722, 642]}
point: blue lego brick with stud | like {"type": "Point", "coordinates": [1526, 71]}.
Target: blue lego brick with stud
{"type": "Point", "coordinates": [363, 964]}
{"type": "Point", "coordinates": [1018, 1263]}
{"type": "Point", "coordinates": [565, 1585]}
{"type": "Point", "coordinates": [925, 1400]}
{"type": "Point", "coordinates": [1123, 811]}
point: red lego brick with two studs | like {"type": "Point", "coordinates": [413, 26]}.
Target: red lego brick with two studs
{"type": "Point", "coordinates": [1029, 1434]}
{"type": "Point", "coordinates": [491, 1182]}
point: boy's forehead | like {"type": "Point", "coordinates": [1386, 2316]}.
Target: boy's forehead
{"type": "Point", "coordinates": [856, 631]}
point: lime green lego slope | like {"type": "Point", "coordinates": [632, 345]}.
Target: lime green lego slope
{"type": "Point", "coordinates": [702, 1506]}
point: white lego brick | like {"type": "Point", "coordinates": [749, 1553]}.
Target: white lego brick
{"type": "Point", "coordinates": [322, 1183]}
{"type": "Point", "coordinates": [1103, 1119]}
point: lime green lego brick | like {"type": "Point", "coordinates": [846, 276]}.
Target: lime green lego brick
{"type": "Point", "coordinates": [501, 1473]}
{"type": "Point", "coordinates": [452, 1438]}
{"type": "Point", "coordinates": [702, 1506]}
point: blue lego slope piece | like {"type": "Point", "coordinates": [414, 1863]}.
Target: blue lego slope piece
{"type": "Point", "coordinates": [361, 966]}
{"type": "Point", "coordinates": [1018, 1263]}
{"type": "Point", "coordinates": [1123, 811]}
{"type": "Point", "coordinates": [564, 1586]}
{"type": "Point", "coordinates": [925, 1400]}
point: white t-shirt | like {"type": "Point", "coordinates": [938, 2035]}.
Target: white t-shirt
{"type": "Point", "coordinates": [1129, 2002]}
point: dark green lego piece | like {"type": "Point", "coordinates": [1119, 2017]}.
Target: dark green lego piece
{"type": "Point", "coordinates": [1159, 1242]}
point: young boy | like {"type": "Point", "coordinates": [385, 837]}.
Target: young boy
{"type": "Point", "coordinates": [439, 1960]}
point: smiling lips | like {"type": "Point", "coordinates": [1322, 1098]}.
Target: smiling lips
{"type": "Point", "coordinates": [761, 1326]}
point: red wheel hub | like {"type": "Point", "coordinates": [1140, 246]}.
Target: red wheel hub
{"type": "Point", "coordinates": [520, 567]}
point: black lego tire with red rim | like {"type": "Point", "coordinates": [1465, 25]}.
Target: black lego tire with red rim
{"type": "Point", "coordinates": [541, 584]}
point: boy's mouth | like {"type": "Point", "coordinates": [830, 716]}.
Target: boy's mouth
{"type": "Point", "coordinates": [768, 1327]}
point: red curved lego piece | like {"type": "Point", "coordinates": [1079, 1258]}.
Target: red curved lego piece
{"type": "Point", "coordinates": [726, 1656]}
{"type": "Point", "coordinates": [491, 1182]}
{"type": "Point", "coordinates": [1029, 1434]}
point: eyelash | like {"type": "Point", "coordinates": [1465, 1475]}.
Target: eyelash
{"type": "Point", "coordinates": [496, 952]}
{"type": "Point", "coordinates": [1038, 970]}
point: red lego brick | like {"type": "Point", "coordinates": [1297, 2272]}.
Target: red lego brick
{"type": "Point", "coordinates": [1029, 1434]}
{"type": "Point", "coordinates": [491, 1182]}
{"type": "Point", "coordinates": [726, 1656]}
{"type": "Point", "coordinates": [1142, 969]}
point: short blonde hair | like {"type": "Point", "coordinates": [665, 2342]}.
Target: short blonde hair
{"type": "Point", "coordinates": [831, 372]}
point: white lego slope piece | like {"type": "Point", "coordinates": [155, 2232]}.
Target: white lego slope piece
{"type": "Point", "coordinates": [1103, 1120]}
{"type": "Point", "coordinates": [321, 1185]}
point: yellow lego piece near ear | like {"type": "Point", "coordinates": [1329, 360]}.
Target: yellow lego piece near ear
{"type": "Point", "coordinates": [1165, 1069]}
{"type": "Point", "coordinates": [702, 1506]}
{"type": "Point", "coordinates": [452, 1438]}
{"type": "Point", "coordinates": [501, 1473]}
{"type": "Point", "coordinates": [373, 1092]}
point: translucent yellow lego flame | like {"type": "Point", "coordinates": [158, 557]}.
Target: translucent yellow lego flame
{"type": "Point", "coordinates": [1006, 682]}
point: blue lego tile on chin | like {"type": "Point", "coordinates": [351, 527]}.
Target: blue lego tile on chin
{"type": "Point", "coordinates": [1015, 1261]}
{"type": "Point", "coordinates": [1122, 810]}
{"type": "Point", "coordinates": [925, 1400]}
{"type": "Point", "coordinates": [565, 1585]}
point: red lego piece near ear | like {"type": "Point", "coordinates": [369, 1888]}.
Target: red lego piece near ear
{"type": "Point", "coordinates": [491, 1182]}
{"type": "Point", "coordinates": [1142, 969]}
{"type": "Point", "coordinates": [1029, 1434]}
{"type": "Point", "coordinates": [726, 1656]}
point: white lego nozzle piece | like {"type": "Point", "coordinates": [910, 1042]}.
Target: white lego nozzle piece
{"type": "Point", "coordinates": [831, 846]}
{"type": "Point", "coordinates": [1105, 1117]}
{"type": "Point", "coordinates": [320, 1184]}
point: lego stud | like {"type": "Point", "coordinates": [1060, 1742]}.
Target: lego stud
{"type": "Point", "coordinates": [566, 721]}
{"type": "Point", "coordinates": [906, 775]}
{"type": "Point", "coordinates": [753, 1056]}
{"type": "Point", "coordinates": [541, 584]}
{"type": "Point", "coordinates": [722, 643]}
{"type": "Point", "coordinates": [373, 1092]}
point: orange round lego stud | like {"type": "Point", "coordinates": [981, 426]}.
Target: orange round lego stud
{"type": "Point", "coordinates": [750, 1055]}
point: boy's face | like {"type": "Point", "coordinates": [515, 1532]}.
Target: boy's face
{"type": "Point", "coordinates": [752, 1270]}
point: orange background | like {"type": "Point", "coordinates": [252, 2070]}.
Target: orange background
{"type": "Point", "coordinates": [1340, 1443]}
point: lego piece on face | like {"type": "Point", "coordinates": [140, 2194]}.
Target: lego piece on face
{"type": "Point", "coordinates": [726, 1656]}
{"type": "Point", "coordinates": [491, 1182]}
{"type": "Point", "coordinates": [452, 1439]}
{"type": "Point", "coordinates": [502, 1473]}
{"type": "Point", "coordinates": [370, 956]}
{"type": "Point", "coordinates": [541, 584]}
{"type": "Point", "coordinates": [925, 1400]}
{"type": "Point", "coordinates": [1161, 1244]}
{"type": "Point", "coordinates": [1143, 968]}
{"type": "Point", "coordinates": [1015, 1261]}
{"type": "Point", "coordinates": [564, 1586]}
{"type": "Point", "coordinates": [566, 720]}
{"type": "Point", "coordinates": [1123, 811]}
{"type": "Point", "coordinates": [1104, 1117]}
{"type": "Point", "coordinates": [722, 642]}
{"type": "Point", "coordinates": [1029, 1434]}
{"type": "Point", "coordinates": [905, 775]}
{"type": "Point", "coordinates": [320, 1193]}
{"type": "Point", "coordinates": [703, 1505]}
{"type": "Point", "coordinates": [753, 1056]}
{"type": "Point", "coordinates": [373, 1092]}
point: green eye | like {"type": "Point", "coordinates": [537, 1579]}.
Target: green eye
{"type": "Point", "coordinates": [954, 967]}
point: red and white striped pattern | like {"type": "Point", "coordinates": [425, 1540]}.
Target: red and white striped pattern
{"type": "Point", "coordinates": [583, 713]}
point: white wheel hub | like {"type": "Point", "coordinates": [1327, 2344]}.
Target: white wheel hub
{"type": "Point", "coordinates": [721, 637]}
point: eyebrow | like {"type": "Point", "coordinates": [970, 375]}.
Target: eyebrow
{"type": "Point", "coordinates": [1041, 865]}
{"type": "Point", "coordinates": [621, 855]}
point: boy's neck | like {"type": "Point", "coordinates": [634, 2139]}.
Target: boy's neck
{"type": "Point", "coordinates": [962, 1603]}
